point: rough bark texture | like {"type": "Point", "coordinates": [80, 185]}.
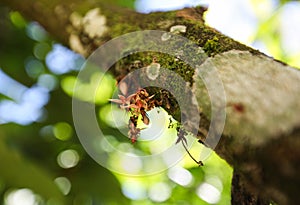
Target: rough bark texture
{"type": "Point", "coordinates": [241, 196]}
{"type": "Point", "coordinates": [261, 139]}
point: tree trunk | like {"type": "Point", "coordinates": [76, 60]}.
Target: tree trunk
{"type": "Point", "coordinates": [241, 196]}
{"type": "Point", "coordinates": [261, 137]}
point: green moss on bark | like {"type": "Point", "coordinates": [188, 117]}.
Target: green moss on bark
{"type": "Point", "coordinates": [212, 41]}
{"type": "Point", "coordinates": [165, 60]}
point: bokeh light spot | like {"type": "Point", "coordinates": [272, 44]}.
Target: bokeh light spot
{"type": "Point", "coordinates": [62, 60]}
{"type": "Point", "coordinates": [62, 131]}
{"type": "Point", "coordinates": [21, 196]}
{"type": "Point", "coordinates": [17, 19]}
{"type": "Point", "coordinates": [68, 84]}
{"type": "Point", "coordinates": [180, 176]}
{"type": "Point", "coordinates": [68, 159]}
{"type": "Point", "coordinates": [208, 193]}
{"type": "Point", "coordinates": [134, 190]}
{"type": "Point", "coordinates": [48, 81]}
{"type": "Point", "coordinates": [34, 67]}
{"type": "Point", "coordinates": [114, 116]}
{"type": "Point", "coordinates": [36, 32]}
{"type": "Point", "coordinates": [131, 165]}
{"type": "Point", "coordinates": [98, 89]}
{"type": "Point", "coordinates": [40, 50]}
{"type": "Point", "coordinates": [63, 184]}
{"type": "Point", "coordinates": [159, 120]}
{"type": "Point", "coordinates": [47, 133]}
{"type": "Point", "coordinates": [104, 88]}
{"type": "Point", "coordinates": [159, 192]}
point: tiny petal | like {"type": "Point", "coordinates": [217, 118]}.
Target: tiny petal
{"type": "Point", "coordinates": [146, 120]}
{"type": "Point", "coordinates": [130, 96]}
{"type": "Point", "coordinates": [123, 88]}
{"type": "Point", "coordinates": [133, 106]}
{"type": "Point", "coordinates": [116, 101]}
{"type": "Point", "coordinates": [139, 104]}
{"type": "Point", "coordinates": [133, 140]}
{"type": "Point", "coordinates": [122, 97]}
{"type": "Point", "coordinates": [151, 96]}
{"type": "Point", "coordinates": [123, 107]}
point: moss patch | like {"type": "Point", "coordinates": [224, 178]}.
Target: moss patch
{"type": "Point", "coordinates": [212, 46]}
{"type": "Point", "coordinates": [165, 60]}
{"type": "Point", "coordinates": [212, 41]}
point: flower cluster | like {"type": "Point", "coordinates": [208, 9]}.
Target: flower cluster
{"type": "Point", "coordinates": [137, 104]}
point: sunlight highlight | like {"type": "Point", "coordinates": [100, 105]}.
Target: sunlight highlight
{"type": "Point", "coordinates": [145, 6]}
{"type": "Point", "coordinates": [180, 176]}
{"type": "Point", "coordinates": [21, 196]}
{"type": "Point", "coordinates": [62, 60]}
{"type": "Point", "coordinates": [208, 193]}
{"type": "Point", "coordinates": [131, 165]}
{"type": "Point", "coordinates": [26, 104]}
{"type": "Point", "coordinates": [63, 184]}
{"type": "Point", "coordinates": [68, 159]}
{"type": "Point", "coordinates": [134, 189]}
{"type": "Point", "coordinates": [159, 192]}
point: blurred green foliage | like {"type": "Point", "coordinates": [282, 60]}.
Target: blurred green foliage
{"type": "Point", "coordinates": [271, 31]}
{"type": "Point", "coordinates": [29, 153]}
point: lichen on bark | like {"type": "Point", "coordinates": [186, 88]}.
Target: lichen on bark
{"type": "Point", "coordinates": [246, 87]}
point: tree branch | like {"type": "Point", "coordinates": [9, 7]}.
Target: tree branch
{"type": "Point", "coordinates": [241, 196]}
{"type": "Point", "coordinates": [261, 138]}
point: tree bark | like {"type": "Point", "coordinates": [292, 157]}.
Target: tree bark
{"type": "Point", "coordinates": [261, 138]}
{"type": "Point", "coordinates": [241, 196]}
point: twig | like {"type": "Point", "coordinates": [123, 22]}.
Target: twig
{"type": "Point", "coordinates": [197, 162]}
